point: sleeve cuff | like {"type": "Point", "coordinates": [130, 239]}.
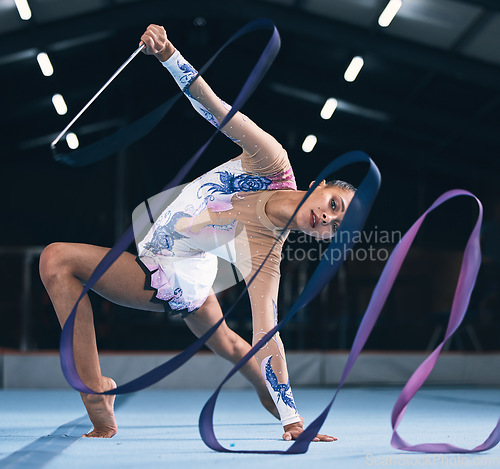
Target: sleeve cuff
{"type": "Point", "coordinates": [172, 60]}
{"type": "Point", "coordinates": [181, 70]}
{"type": "Point", "coordinates": [289, 420]}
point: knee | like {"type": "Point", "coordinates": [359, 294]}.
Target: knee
{"type": "Point", "coordinates": [224, 342]}
{"type": "Point", "coordinates": [53, 263]}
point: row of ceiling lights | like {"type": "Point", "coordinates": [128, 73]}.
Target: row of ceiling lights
{"type": "Point", "coordinates": [352, 72]}
{"type": "Point", "coordinates": [48, 70]}
{"type": "Point", "coordinates": [310, 141]}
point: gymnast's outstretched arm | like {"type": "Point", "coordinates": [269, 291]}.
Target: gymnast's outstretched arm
{"type": "Point", "coordinates": [263, 292]}
{"type": "Point", "coordinates": [261, 151]}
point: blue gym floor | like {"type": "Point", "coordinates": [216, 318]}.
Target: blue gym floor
{"type": "Point", "coordinates": [42, 428]}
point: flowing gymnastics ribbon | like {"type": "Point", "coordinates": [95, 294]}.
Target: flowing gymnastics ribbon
{"type": "Point", "coordinates": [468, 273]}
{"type": "Point", "coordinates": [471, 263]}
{"type": "Point", "coordinates": [353, 220]}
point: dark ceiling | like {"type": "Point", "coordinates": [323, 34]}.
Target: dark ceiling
{"type": "Point", "coordinates": [425, 106]}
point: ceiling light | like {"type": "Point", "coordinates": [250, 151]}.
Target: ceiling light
{"type": "Point", "coordinates": [45, 64]}
{"type": "Point", "coordinates": [389, 13]}
{"type": "Point", "coordinates": [24, 9]}
{"type": "Point", "coordinates": [354, 67]}
{"type": "Point", "coordinates": [309, 143]}
{"type": "Point", "coordinates": [72, 141]}
{"type": "Point", "coordinates": [59, 104]}
{"type": "Point", "coordinates": [199, 21]}
{"type": "Point", "coordinates": [329, 108]}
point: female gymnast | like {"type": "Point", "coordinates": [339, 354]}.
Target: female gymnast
{"type": "Point", "coordinates": [236, 211]}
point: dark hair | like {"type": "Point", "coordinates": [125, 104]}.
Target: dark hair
{"type": "Point", "coordinates": [342, 184]}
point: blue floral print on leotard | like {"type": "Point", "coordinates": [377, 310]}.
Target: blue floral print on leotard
{"type": "Point", "coordinates": [283, 390]}
{"type": "Point", "coordinates": [241, 183]}
{"type": "Point", "coordinates": [165, 236]}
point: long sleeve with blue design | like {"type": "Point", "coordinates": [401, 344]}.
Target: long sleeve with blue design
{"type": "Point", "coordinates": [262, 155]}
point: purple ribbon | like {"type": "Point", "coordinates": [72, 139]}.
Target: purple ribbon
{"type": "Point", "coordinates": [468, 273]}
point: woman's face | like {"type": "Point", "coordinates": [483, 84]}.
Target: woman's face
{"type": "Point", "coordinates": [323, 211]}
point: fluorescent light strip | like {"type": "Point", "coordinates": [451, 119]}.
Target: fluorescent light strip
{"type": "Point", "coordinates": [389, 13]}
{"type": "Point", "coordinates": [23, 9]}
{"type": "Point", "coordinates": [59, 104]}
{"type": "Point", "coordinates": [329, 108]}
{"type": "Point", "coordinates": [72, 141]}
{"type": "Point", "coordinates": [354, 68]}
{"type": "Point", "coordinates": [309, 143]}
{"type": "Point", "coordinates": [45, 64]}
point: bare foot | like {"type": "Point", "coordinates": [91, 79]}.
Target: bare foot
{"type": "Point", "coordinates": [101, 413]}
